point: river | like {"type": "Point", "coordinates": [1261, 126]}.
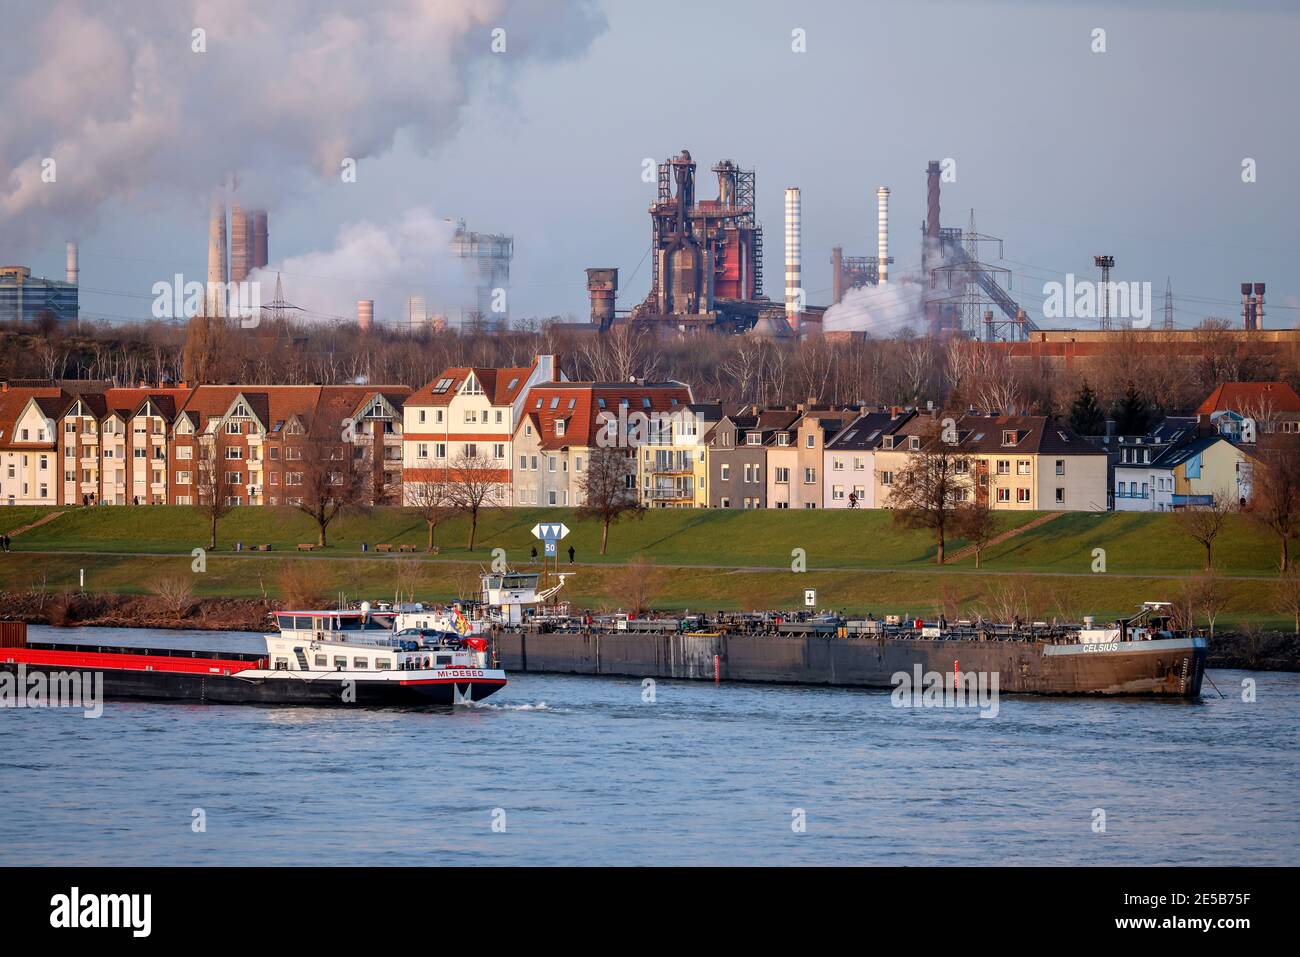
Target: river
{"type": "Point", "coordinates": [561, 770]}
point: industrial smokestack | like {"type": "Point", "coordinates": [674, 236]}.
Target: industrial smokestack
{"type": "Point", "coordinates": [837, 274]}
{"type": "Point", "coordinates": [366, 314]}
{"type": "Point", "coordinates": [1259, 305]}
{"type": "Point", "coordinates": [882, 233]}
{"type": "Point", "coordinates": [73, 267]}
{"type": "Point", "coordinates": [932, 201]}
{"type": "Point", "coordinates": [217, 269]}
{"type": "Point", "coordinates": [239, 244]}
{"type": "Point", "coordinates": [1247, 307]}
{"type": "Point", "coordinates": [602, 287]}
{"type": "Point", "coordinates": [257, 218]}
{"type": "Point", "coordinates": [793, 255]}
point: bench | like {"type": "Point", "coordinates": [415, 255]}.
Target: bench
{"type": "Point", "coordinates": [407, 548]}
{"type": "Point", "coordinates": [383, 548]}
{"type": "Point", "coordinates": [303, 547]}
{"type": "Point", "coordinates": [262, 548]}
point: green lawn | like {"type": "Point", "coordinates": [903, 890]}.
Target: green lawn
{"type": "Point", "coordinates": [16, 516]}
{"type": "Point", "coordinates": [1134, 543]}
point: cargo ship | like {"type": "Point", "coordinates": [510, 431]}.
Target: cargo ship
{"type": "Point", "coordinates": [1144, 654]}
{"type": "Point", "coordinates": [346, 657]}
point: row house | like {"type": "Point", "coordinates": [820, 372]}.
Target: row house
{"type": "Point", "coordinates": [795, 459]}
{"type": "Point", "coordinates": [466, 419]}
{"type": "Point", "coordinates": [672, 467]}
{"type": "Point", "coordinates": [29, 469]}
{"type": "Point", "coordinates": [1246, 412]}
{"type": "Point", "coordinates": [254, 435]}
{"type": "Point", "coordinates": [737, 455]}
{"type": "Point", "coordinates": [850, 460]}
{"type": "Point", "coordinates": [563, 422]}
{"type": "Point", "coordinates": [1026, 462]}
{"type": "Point", "coordinates": [1189, 472]}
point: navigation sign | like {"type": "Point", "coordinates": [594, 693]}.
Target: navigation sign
{"type": "Point", "coordinates": [550, 531]}
{"type": "Point", "coordinates": [810, 597]}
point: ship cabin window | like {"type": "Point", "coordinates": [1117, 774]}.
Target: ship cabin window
{"type": "Point", "coordinates": [302, 623]}
{"type": "Point", "coordinates": [383, 664]}
{"type": "Point", "coordinates": [281, 664]}
{"type": "Point", "coordinates": [348, 623]}
{"type": "Point", "coordinates": [340, 664]}
{"type": "Point", "coordinates": [322, 661]}
{"type": "Point", "coordinates": [361, 664]}
{"type": "Point", "coordinates": [443, 660]}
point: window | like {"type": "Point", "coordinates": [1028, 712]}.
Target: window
{"type": "Point", "coordinates": [471, 416]}
{"type": "Point", "coordinates": [138, 453]}
{"type": "Point", "coordinates": [559, 427]}
{"type": "Point", "coordinates": [45, 463]}
{"type": "Point", "coordinates": [1004, 495]}
{"type": "Point", "coordinates": [183, 478]}
{"type": "Point", "coordinates": [725, 474]}
{"type": "Point", "coordinates": [837, 464]}
{"type": "Point", "coordinates": [292, 478]}
{"type": "Point", "coordinates": [1008, 437]}
{"type": "Point", "coordinates": [422, 450]}
{"type": "Point", "coordinates": [961, 466]}
{"type": "Point", "coordinates": [724, 503]}
{"type": "Point", "coordinates": [422, 416]}
{"type": "Point", "coordinates": [340, 664]}
{"type": "Point", "coordinates": [471, 450]}
{"type": "Point", "coordinates": [550, 464]}
{"type": "Point", "coordinates": [322, 661]}
{"type": "Point", "coordinates": [754, 438]}
{"type": "Point", "coordinates": [361, 664]}
{"type": "Point", "coordinates": [184, 452]}
{"type": "Point", "coordinates": [858, 464]}
{"type": "Point", "coordinates": [782, 476]}
{"type": "Point", "coordinates": [383, 664]}
{"type": "Point", "coordinates": [837, 492]}
{"type": "Point", "coordinates": [887, 442]}
{"type": "Point", "coordinates": [1060, 496]}
{"type": "Point", "coordinates": [440, 450]}
{"type": "Point", "coordinates": [234, 452]}
{"type": "Point", "coordinates": [499, 450]}
{"type": "Point", "coordinates": [913, 442]}
{"type": "Point", "coordinates": [550, 497]}
{"type": "Point", "coordinates": [233, 428]}
{"type": "Point", "coordinates": [234, 478]}
{"type": "Point", "coordinates": [523, 463]}
{"type": "Point", "coordinates": [782, 438]}
{"type": "Point", "coordinates": [1022, 466]}
{"type": "Point", "coordinates": [1060, 468]}
{"type": "Point", "coordinates": [886, 478]}
{"type": "Point", "coordinates": [1004, 466]}
{"type": "Point", "coordinates": [809, 476]}
{"type": "Point", "coordinates": [437, 416]}
{"type": "Point", "coordinates": [812, 441]}
{"type": "Point", "coordinates": [577, 464]}
{"type": "Point", "coordinates": [1022, 496]}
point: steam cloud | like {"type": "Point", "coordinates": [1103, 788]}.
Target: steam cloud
{"type": "Point", "coordinates": [387, 262]}
{"type": "Point", "coordinates": [878, 310]}
{"type": "Point", "coordinates": [112, 91]}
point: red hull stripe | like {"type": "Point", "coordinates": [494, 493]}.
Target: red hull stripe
{"type": "Point", "coordinates": [113, 662]}
{"type": "Point", "coordinates": [455, 681]}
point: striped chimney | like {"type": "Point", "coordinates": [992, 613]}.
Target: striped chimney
{"type": "Point", "coordinates": [793, 255]}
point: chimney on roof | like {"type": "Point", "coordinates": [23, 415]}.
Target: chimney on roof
{"type": "Point", "coordinates": [894, 412]}
{"type": "Point", "coordinates": [799, 407]}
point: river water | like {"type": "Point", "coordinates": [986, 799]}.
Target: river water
{"type": "Point", "coordinates": [578, 770]}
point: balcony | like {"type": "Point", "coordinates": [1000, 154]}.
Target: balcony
{"type": "Point", "coordinates": [670, 494]}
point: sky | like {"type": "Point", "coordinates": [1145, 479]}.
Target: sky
{"type": "Point", "coordinates": [1062, 152]}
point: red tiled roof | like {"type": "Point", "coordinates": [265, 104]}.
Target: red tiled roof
{"type": "Point", "coordinates": [275, 405]}
{"type": "Point", "coordinates": [500, 386]}
{"type": "Point", "coordinates": [578, 405]}
{"type": "Point", "coordinates": [1239, 396]}
{"type": "Point", "coordinates": [12, 403]}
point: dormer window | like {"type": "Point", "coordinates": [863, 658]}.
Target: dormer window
{"type": "Point", "coordinates": [887, 442]}
{"type": "Point", "coordinates": [472, 386]}
{"type": "Point", "coordinates": [914, 442]}
{"type": "Point", "coordinates": [754, 438]}
{"type": "Point", "coordinates": [782, 438]}
{"type": "Point", "coordinates": [1009, 437]}
{"type": "Point", "coordinates": [559, 427]}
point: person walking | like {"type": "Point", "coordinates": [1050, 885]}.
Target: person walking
{"type": "Point", "coordinates": [570, 554]}
{"type": "Point", "coordinates": [534, 552]}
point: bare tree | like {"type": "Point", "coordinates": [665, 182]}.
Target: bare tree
{"type": "Point", "coordinates": [1205, 594]}
{"type": "Point", "coordinates": [1203, 524]}
{"type": "Point", "coordinates": [175, 591]}
{"type": "Point", "coordinates": [328, 481]}
{"type": "Point", "coordinates": [975, 520]}
{"type": "Point", "coordinates": [607, 490]}
{"type": "Point", "coordinates": [212, 484]}
{"type": "Point", "coordinates": [1288, 596]}
{"type": "Point", "coordinates": [1275, 495]}
{"type": "Point", "coordinates": [432, 501]}
{"type": "Point", "coordinates": [472, 485]}
{"type": "Point", "coordinates": [636, 584]}
{"type": "Point", "coordinates": [928, 490]}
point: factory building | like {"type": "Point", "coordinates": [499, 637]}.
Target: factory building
{"type": "Point", "coordinates": [486, 260]}
{"type": "Point", "coordinates": [28, 298]}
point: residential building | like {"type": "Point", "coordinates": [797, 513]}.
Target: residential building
{"type": "Point", "coordinates": [1186, 474]}
{"type": "Point", "coordinates": [672, 467]}
{"type": "Point", "coordinates": [737, 454]}
{"type": "Point", "coordinates": [467, 418]}
{"type": "Point", "coordinates": [1027, 462]}
{"type": "Point", "coordinates": [255, 432]}
{"type": "Point", "coordinates": [563, 422]}
{"type": "Point", "coordinates": [1242, 411]}
{"type": "Point", "coordinates": [29, 445]}
{"type": "Point", "coordinates": [849, 460]}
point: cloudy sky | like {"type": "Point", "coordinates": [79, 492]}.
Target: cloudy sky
{"type": "Point", "coordinates": [1062, 152]}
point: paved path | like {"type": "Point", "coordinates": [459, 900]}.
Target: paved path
{"type": "Point", "coordinates": [733, 568]}
{"type": "Point", "coordinates": [51, 516]}
{"type": "Point", "coordinates": [969, 550]}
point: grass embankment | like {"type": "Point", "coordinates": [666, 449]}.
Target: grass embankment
{"type": "Point", "coordinates": [857, 560]}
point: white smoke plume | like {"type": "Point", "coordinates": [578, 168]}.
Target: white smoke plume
{"type": "Point", "coordinates": [115, 94]}
{"type": "Point", "coordinates": [388, 263]}
{"type": "Point", "coordinates": [878, 310]}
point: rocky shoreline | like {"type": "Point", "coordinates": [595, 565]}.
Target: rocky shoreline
{"type": "Point", "coordinates": [1251, 651]}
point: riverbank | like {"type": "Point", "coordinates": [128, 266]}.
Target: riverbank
{"type": "Point", "coordinates": [1246, 650]}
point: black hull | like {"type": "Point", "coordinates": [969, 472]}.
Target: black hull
{"type": "Point", "coordinates": [1146, 669]}
{"type": "Point", "coordinates": [223, 689]}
